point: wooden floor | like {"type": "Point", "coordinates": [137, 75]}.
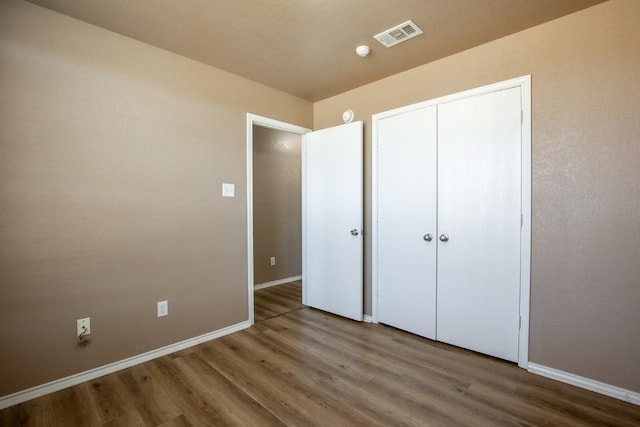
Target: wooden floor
{"type": "Point", "coordinates": [311, 368]}
{"type": "Point", "coordinates": [277, 300]}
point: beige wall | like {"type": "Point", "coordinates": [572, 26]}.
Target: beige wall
{"type": "Point", "coordinates": [112, 155]}
{"type": "Point", "coordinates": [585, 279]}
{"type": "Point", "coordinates": [277, 217]}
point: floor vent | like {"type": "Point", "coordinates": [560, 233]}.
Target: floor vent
{"type": "Point", "coordinates": [398, 34]}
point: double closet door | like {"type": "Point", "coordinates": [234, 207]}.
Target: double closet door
{"type": "Point", "coordinates": [449, 221]}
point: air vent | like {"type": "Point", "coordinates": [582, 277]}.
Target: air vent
{"type": "Point", "coordinates": [398, 34]}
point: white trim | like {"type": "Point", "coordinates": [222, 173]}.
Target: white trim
{"type": "Point", "coordinates": [367, 319]}
{"type": "Point", "coordinates": [524, 83]}
{"type": "Point", "coordinates": [53, 386]}
{"type": "Point", "coordinates": [525, 230]}
{"type": "Point", "coordinates": [494, 87]}
{"type": "Point", "coordinates": [586, 383]}
{"type": "Point", "coordinates": [253, 119]}
{"type": "Point", "coordinates": [374, 216]}
{"type": "Point", "coordinates": [303, 223]}
{"type": "Point", "coordinates": [276, 282]}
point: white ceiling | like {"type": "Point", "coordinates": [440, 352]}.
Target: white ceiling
{"type": "Point", "coordinates": [307, 47]}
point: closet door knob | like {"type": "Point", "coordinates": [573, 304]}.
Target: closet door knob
{"type": "Point", "coordinates": [427, 237]}
{"type": "Point", "coordinates": [444, 238]}
{"type": "Point", "coordinates": [355, 232]}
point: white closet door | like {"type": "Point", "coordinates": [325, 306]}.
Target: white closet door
{"type": "Point", "coordinates": [479, 190]}
{"type": "Point", "coordinates": [406, 217]}
{"type": "Point", "coordinates": [332, 220]}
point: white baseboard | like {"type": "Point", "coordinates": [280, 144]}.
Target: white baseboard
{"type": "Point", "coordinates": [586, 383]}
{"type": "Point", "coordinates": [41, 390]}
{"type": "Point", "coordinates": [276, 282]}
{"type": "Point", "coordinates": [367, 319]}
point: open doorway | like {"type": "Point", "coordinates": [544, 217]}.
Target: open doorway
{"type": "Point", "coordinates": [277, 222]}
{"type": "Point", "coordinates": [274, 217]}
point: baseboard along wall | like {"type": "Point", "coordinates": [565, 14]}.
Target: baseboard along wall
{"type": "Point", "coordinates": [53, 386]}
{"type": "Point", "coordinates": [586, 383]}
{"type": "Point", "coordinates": [276, 282]}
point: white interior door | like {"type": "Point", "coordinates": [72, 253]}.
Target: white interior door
{"type": "Point", "coordinates": [479, 222]}
{"type": "Point", "coordinates": [332, 220]}
{"type": "Point", "coordinates": [407, 234]}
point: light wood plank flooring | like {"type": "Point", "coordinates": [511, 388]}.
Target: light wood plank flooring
{"type": "Point", "coordinates": [277, 300]}
{"type": "Point", "coordinates": [310, 368]}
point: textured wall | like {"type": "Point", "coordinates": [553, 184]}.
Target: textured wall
{"type": "Point", "coordinates": [277, 216]}
{"type": "Point", "coordinates": [585, 279]}
{"type": "Point", "coordinates": [112, 155]}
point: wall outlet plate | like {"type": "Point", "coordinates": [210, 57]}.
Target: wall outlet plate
{"type": "Point", "coordinates": [81, 324]}
{"type": "Point", "coordinates": [273, 261]}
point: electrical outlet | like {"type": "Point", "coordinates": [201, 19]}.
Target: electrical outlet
{"type": "Point", "coordinates": [163, 308]}
{"type": "Point", "coordinates": [83, 325]}
{"type": "Point", "coordinates": [273, 261]}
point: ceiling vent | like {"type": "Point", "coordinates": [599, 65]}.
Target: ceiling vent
{"type": "Point", "coordinates": [398, 34]}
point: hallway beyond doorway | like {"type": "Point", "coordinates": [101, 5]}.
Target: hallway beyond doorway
{"type": "Point", "coordinates": [277, 300]}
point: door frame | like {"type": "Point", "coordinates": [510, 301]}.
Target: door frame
{"type": "Point", "coordinates": [524, 83]}
{"type": "Point", "coordinates": [254, 119]}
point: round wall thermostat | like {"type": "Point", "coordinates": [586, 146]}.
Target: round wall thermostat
{"type": "Point", "coordinates": [347, 116]}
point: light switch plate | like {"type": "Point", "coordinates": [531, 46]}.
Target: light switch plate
{"type": "Point", "coordinates": [228, 190]}
{"type": "Point", "coordinates": [163, 308]}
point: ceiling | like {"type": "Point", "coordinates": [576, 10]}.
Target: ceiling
{"type": "Point", "coordinates": [307, 47]}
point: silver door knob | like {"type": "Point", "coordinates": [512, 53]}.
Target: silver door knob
{"type": "Point", "coordinates": [427, 237]}
{"type": "Point", "coordinates": [444, 238]}
{"type": "Point", "coordinates": [355, 232]}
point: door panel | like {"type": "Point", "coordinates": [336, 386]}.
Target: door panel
{"type": "Point", "coordinates": [333, 192]}
{"type": "Point", "coordinates": [406, 213]}
{"type": "Point", "coordinates": [479, 191]}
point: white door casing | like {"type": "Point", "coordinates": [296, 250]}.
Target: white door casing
{"type": "Point", "coordinates": [332, 210]}
{"type": "Point", "coordinates": [407, 233]}
{"type": "Point", "coordinates": [253, 119]}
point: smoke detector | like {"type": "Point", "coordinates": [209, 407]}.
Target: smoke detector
{"type": "Point", "coordinates": [398, 34]}
{"type": "Point", "coordinates": [363, 50]}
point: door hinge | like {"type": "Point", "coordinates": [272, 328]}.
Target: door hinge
{"type": "Point", "coordinates": [521, 220]}
{"type": "Point", "coordinates": [519, 322]}
{"type": "Point", "coordinates": [521, 116]}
